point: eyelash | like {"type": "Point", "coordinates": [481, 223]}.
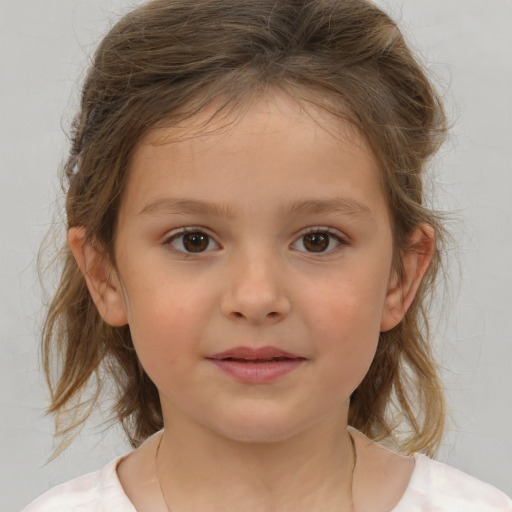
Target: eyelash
{"type": "Point", "coordinates": [188, 231]}
{"type": "Point", "coordinates": [331, 233]}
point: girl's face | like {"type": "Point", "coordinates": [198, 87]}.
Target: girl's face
{"type": "Point", "coordinates": [254, 267]}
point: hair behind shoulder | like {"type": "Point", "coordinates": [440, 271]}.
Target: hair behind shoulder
{"type": "Point", "coordinates": [170, 59]}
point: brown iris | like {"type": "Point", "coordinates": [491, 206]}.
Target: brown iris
{"type": "Point", "coordinates": [196, 242]}
{"type": "Point", "coordinates": [316, 242]}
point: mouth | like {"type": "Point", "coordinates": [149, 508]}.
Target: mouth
{"type": "Point", "coordinates": [271, 360]}
{"type": "Point", "coordinates": [256, 365]}
{"type": "Point", "coordinates": [254, 355]}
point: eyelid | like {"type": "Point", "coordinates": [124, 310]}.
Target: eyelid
{"type": "Point", "coordinates": [335, 233]}
{"type": "Point", "coordinates": [187, 229]}
{"type": "Point", "coordinates": [323, 229]}
{"type": "Point", "coordinates": [176, 233]}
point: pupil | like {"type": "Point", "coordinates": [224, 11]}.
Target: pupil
{"type": "Point", "coordinates": [195, 242]}
{"type": "Point", "coordinates": [316, 242]}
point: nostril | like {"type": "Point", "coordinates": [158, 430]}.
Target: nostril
{"type": "Point", "coordinates": [272, 314]}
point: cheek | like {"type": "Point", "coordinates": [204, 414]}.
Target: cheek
{"type": "Point", "coordinates": [345, 320]}
{"type": "Point", "coordinates": [346, 304]}
{"type": "Point", "coordinates": [165, 327]}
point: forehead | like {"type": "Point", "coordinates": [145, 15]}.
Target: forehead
{"type": "Point", "coordinates": [269, 113]}
{"type": "Point", "coordinates": [275, 145]}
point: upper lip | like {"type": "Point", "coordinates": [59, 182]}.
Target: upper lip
{"type": "Point", "coordinates": [250, 354]}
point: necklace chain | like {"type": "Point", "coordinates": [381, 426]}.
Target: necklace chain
{"type": "Point", "coordinates": [158, 476]}
{"type": "Point", "coordinates": [354, 463]}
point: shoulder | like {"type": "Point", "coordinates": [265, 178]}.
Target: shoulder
{"type": "Point", "coordinates": [95, 492]}
{"type": "Point", "coordinates": [437, 487]}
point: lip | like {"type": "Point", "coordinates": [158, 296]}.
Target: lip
{"type": "Point", "coordinates": [249, 353]}
{"type": "Point", "coordinates": [256, 365]}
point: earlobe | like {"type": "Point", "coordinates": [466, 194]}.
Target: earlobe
{"type": "Point", "coordinates": [403, 288]}
{"type": "Point", "coordinates": [100, 277]}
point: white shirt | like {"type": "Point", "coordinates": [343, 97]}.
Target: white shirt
{"type": "Point", "coordinates": [434, 487]}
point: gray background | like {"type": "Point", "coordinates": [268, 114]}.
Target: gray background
{"type": "Point", "coordinates": [467, 44]}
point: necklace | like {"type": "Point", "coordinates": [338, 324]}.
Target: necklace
{"type": "Point", "coordinates": [354, 463]}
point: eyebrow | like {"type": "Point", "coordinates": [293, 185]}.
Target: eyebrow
{"type": "Point", "coordinates": [307, 206]}
{"type": "Point", "coordinates": [342, 205]}
{"type": "Point", "coordinates": [177, 205]}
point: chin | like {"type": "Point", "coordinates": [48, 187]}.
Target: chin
{"type": "Point", "coordinates": [259, 437]}
{"type": "Point", "coordinates": [258, 429]}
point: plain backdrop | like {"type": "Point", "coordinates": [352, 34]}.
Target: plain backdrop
{"type": "Point", "coordinates": [467, 45]}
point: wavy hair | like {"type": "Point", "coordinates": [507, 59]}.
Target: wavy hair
{"type": "Point", "coordinates": [169, 60]}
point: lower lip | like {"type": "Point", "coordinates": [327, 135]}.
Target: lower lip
{"type": "Point", "coordinates": [257, 372]}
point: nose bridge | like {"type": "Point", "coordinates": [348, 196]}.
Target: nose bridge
{"type": "Point", "coordinates": [255, 288]}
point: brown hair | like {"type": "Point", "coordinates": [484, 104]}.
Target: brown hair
{"type": "Point", "coordinates": [170, 59]}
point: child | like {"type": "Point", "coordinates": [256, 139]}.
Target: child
{"type": "Point", "coordinates": [249, 260]}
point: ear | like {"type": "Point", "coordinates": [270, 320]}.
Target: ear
{"type": "Point", "coordinates": [403, 288]}
{"type": "Point", "coordinates": [100, 276]}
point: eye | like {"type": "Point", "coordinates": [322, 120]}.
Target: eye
{"type": "Point", "coordinates": [319, 240]}
{"type": "Point", "coordinates": [192, 241]}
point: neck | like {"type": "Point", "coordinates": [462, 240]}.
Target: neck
{"type": "Point", "coordinates": [202, 470]}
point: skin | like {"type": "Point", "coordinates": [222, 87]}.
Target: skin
{"type": "Point", "coordinates": [281, 445]}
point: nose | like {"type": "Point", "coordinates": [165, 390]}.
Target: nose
{"type": "Point", "coordinates": [255, 291]}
